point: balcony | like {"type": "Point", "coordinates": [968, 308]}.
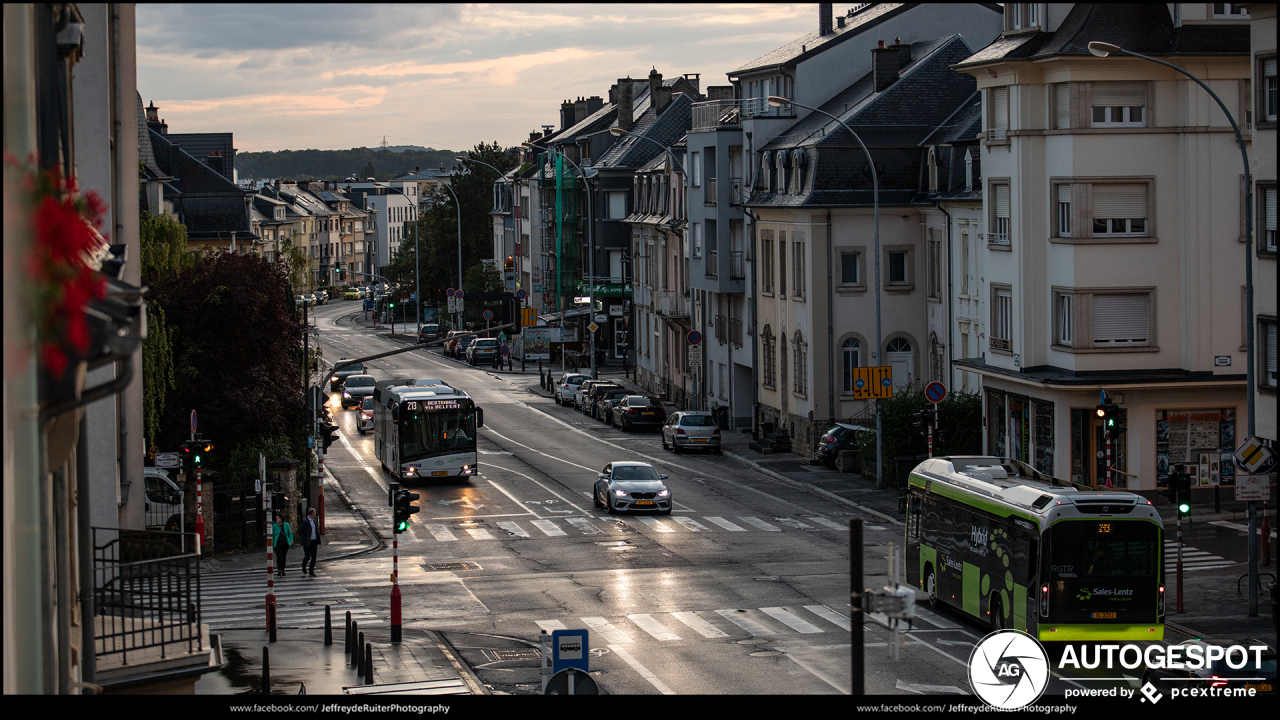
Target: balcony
{"type": "Point", "coordinates": [713, 265]}
{"type": "Point", "coordinates": [670, 304]}
{"type": "Point", "coordinates": [716, 113]}
{"type": "Point", "coordinates": [759, 107]}
{"type": "Point", "coordinates": [735, 331]}
{"type": "Point", "coordinates": [737, 268]}
{"type": "Point", "coordinates": [722, 329]}
{"type": "Point", "coordinates": [709, 192]}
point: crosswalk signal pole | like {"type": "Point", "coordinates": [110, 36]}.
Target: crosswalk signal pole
{"type": "Point", "coordinates": [271, 578]}
{"type": "Point", "coordinates": [395, 566]}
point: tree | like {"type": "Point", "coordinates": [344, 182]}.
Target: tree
{"type": "Point", "coordinates": [163, 247]}
{"type": "Point", "coordinates": [369, 170]}
{"type": "Point", "coordinates": [959, 428]}
{"type": "Point", "coordinates": [296, 263]}
{"type": "Point", "coordinates": [163, 254]}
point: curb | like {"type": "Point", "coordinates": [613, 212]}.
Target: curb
{"type": "Point", "coordinates": [469, 677]}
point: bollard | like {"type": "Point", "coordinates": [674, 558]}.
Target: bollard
{"type": "Point", "coordinates": [271, 620]}
{"type": "Point", "coordinates": [328, 627]}
{"type": "Point", "coordinates": [355, 636]}
{"type": "Point", "coordinates": [266, 670]}
{"type": "Point", "coordinates": [360, 656]}
{"type": "Point", "coordinates": [346, 640]}
{"type": "Point", "coordinates": [368, 664]}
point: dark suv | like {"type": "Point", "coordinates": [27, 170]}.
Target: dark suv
{"type": "Point", "coordinates": [639, 410]}
{"type": "Point", "coordinates": [337, 378]}
{"type": "Point", "coordinates": [356, 389]}
{"type": "Point", "coordinates": [482, 350]}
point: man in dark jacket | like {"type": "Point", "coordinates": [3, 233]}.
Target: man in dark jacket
{"type": "Point", "coordinates": [310, 536]}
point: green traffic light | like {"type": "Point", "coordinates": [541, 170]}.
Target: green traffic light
{"type": "Point", "coordinates": [403, 526]}
{"type": "Point", "coordinates": [197, 458]}
{"type": "Point", "coordinates": [1184, 508]}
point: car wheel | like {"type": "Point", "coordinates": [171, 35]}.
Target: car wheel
{"type": "Point", "coordinates": [609, 500]}
{"type": "Point", "coordinates": [595, 497]}
{"type": "Point", "coordinates": [675, 449]}
{"type": "Point", "coordinates": [664, 441]}
{"type": "Point", "coordinates": [931, 586]}
{"type": "Point", "coordinates": [997, 614]}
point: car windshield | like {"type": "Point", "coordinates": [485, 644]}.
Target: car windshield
{"type": "Point", "coordinates": [359, 381]}
{"type": "Point", "coordinates": [367, 404]}
{"type": "Point", "coordinates": [635, 472]}
{"type": "Point", "coordinates": [486, 343]}
{"type": "Point", "coordinates": [696, 421]}
{"type": "Point", "coordinates": [431, 328]}
{"type": "Point", "coordinates": [638, 401]}
{"type": "Point", "coordinates": [616, 394]}
{"type": "Point", "coordinates": [576, 379]}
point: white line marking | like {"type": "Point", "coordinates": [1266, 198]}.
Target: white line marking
{"type": "Point", "coordinates": [539, 484]}
{"type": "Point", "coordinates": [644, 672]}
{"type": "Point", "coordinates": [503, 490]}
{"type": "Point", "coordinates": [548, 528]}
{"type": "Point", "coordinates": [655, 524]}
{"type": "Point", "coordinates": [921, 688]}
{"type": "Point", "coordinates": [1235, 526]}
{"type": "Point", "coordinates": [584, 525]}
{"type": "Point", "coordinates": [759, 523]}
{"type": "Point", "coordinates": [831, 616]}
{"type": "Point", "coordinates": [606, 630]}
{"type": "Point", "coordinates": [653, 627]}
{"type": "Point", "coordinates": [480, 534]}
{"type": "Point", "coordinates": [551, 625]}
{"type": "Point", "coordinates": [790, 620]}
{"type": "Point", "coordinates": [690, 524]}
{"type": "Point", "coordinates": [514, 529]}
{"type": "Point", "coordinates": [440, 532]}
{"type": "Point", "coordinates": [726, 524]}
{"type": "Point", "coordinates": [703, 627]}
{"type": "Point", "coordinates": [793, 523]}
{"type": "Point", "coordinates": [935, 619]}
{"type": "Point", "coordinates": [740, 619]}
{"type": "Point", "coordinates": [829, 523]}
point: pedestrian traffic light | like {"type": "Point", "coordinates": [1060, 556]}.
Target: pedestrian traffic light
{"type": "Point", "coordinates": [202, 447]}
{"type": "Point", "coordinates": [328, 434]}
{"type": "Point", "coordinates": [930, 417]}
{"type": "Point", "coordinates": [403, 509]}
{"type": "Point", "coordinates": [1181, 484]}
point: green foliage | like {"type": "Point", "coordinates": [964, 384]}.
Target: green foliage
{"type": "Point", "coordinates": [242, 461]}
{"type": "Point", "coordinates": [340, 164]}
{"type": "Point", "coordinates": [483, 277]}
{"type": "Point", "coordinates": [163, 247]}
{"type": "Point", "coordinates": [369, 170]}
{"type": "Point", "coordinates": [296, 264]}
{"type": "Point", "coordinates": [959, 428]}
{"type": "Point", "coordinates": [157, 372]}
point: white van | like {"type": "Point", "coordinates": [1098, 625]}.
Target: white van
{"type": "Point", "coordinates": [163, 509]}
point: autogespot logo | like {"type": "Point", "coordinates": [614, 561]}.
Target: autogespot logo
{"type": "Point", "coordinates": [1008, 669]}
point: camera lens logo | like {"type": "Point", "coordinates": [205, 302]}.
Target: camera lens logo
{"type": "Point", "coordinates": [1008, 669]}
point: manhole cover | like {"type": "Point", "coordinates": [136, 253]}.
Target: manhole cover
{"type": "Point", "coordinates": [752, 641]}
{"type": "Point", "coordinates": [510, 655]}
{"type": "Point", "coordinates": [614, 544]}
{"type": "Point", "coordinates": [766, 653]}
{"type": "Point", "coordinates": [454, 566]}
{"type": "Point", "coordinates": [322, 603]}
{"type": "Point", "coordinates": [768, 578]}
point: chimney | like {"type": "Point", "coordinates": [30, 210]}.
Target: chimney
{"type": "Point", "coordinates": [904, 52]}
{"type": "Point", "coordinates": [625, 119]}
{"type": "Point", "coordinates": [613, 94]}
{"type": "Point", "coordinates": [884, 66]}
{"type": "Point", "coordinates": [566, 115]}
{"type": "Point", "coordinates": [655, 82]}
{"type": "Point", "coordinates": [153, 112]}
{"type": "Point", "coordinates": [824, 18]}
{"type": "Point", "coordinates": [719, 92]}
{"type": "Point", "coordinates": [594, 103]}
{"type": "Point", "coordinates": [694, 79]}
{"type": "Point", "coordinates": [662, 99]}
{"type": "Point", "coordinates": [579, 111]}
{"type": "Point", "coordinates": [417, 169]}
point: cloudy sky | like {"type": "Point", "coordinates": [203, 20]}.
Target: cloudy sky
{"type": "Point", "coordinates": [333, 76]}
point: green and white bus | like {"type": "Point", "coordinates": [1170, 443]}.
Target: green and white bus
{"type": "Point", "coordinates": [425, 431]}
{"type": "Point", "coordinates": [1014, 548]}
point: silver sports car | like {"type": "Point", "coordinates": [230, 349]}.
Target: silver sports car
{"type": "Point", "coordinates": [632, 486]}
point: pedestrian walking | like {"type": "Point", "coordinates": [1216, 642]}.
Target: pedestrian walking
{"type": "Point", "coordinates": [281, 539]}
{"type": "Point", "coordinates": [310, 529]}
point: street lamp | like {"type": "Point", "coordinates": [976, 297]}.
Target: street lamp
{"type": "Point", "coordinates": [464, 158]}
{"type": "Point", "coordinates": [776, 101]}
{"type": "Point", "coordinates": [458, 205]}
{"type": "Point", "coordinates": [1103, 49]}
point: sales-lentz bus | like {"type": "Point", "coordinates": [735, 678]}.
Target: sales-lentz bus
{"type": "Point", "coordinates": [425, 431]}
{"type": "Point", "coordinates": [1017, 549]}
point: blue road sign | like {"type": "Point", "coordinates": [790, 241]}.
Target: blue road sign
{"type": "Point", "coordinates": [521, 294]}
{"type": "Point", "coordinates": [458, 294]}
{"type": "Point", "coordinates": [935, 392]}
{"type": "Point", "coordinates": [569, 650]}
{"type": "Point", "coordinates": [859, 383]}
{"type": "Point", "coordinates": [368, 304]}
{"type": "Point", "coordinates": [413, 296]}
{"type": "Point", "coordinates": [886, 382]}
{"type": "Point", "coordinates": [488, 314]}
{"type": "Point", "coordinates": [505, 350]}
{"type": "Point", "coordinates": [694, 337]}
{"type": "Point", "coordinates": [450, 292]}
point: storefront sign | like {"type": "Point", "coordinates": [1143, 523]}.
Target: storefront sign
{"type": "Point", "coordinates": [1202, 438]}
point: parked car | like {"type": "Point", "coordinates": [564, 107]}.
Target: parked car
{"type": "Point", "coordinates": [429, 332]}
{"type": "Point", "coordinates": [460, 346]}
{"type": "Point", "coordinates": [319, 297]}
{"type": "Point", "coordinates": [691, 429]}
{"type": "Point", "coordinates": [337, 378]}
{"type": "Point", "coordinates": [305, 300]}
{"type": "Point", "coordinates": [580, 395]}
{"type": "Point", "coordinates": [631, 486]}
{"type": "Point", "coordinates": [840, 437]}
{"type": "Point", "coordinates": [366, 415]}
{"type": "Point", "coordinates": [355, 389]}
{"type": "Point", "coordinates": [598, 389]}
{"type": "Point", "coordinates": [603, 410]}
{"type": "Point", "coordinates": [351, 294]}
{"type": "Point", "coordinates": [566, 386]}
{"type": "Point", "coordinates": [482, 350]}
{"type": "Point", "coordinates": [639, 410]}
{"type": "Point", "coordinates": [163, 508]}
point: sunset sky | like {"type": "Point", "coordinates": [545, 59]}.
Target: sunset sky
{"type": "Point", "coordinates": [336, 76]}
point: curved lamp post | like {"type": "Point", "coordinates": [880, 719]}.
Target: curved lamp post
{"type": "Point", "coordinates": [1103, 49]}
{"type": "Point", "coordinates": [777, 101]}
{"type": "Point", "coordinates": [457, 204]}
{"type": "Point", "coordinates": [464, 158]}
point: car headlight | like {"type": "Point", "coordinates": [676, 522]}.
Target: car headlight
{"type": "Point", "coordinates": [664, 493]}
{"type": "Point", "coordinates": [620, 493]}
{"type": "Point", "coordinates": [346, 394]}
{"type": "Point", "coordinates": [333, 379]}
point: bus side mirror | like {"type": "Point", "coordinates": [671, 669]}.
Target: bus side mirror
{"type": "Point", "coordinates": [479, 418]}
{"type": "Point", "coordinates": [395, 413]}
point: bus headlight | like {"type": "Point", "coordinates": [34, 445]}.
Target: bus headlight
{"type": "Point", "coordinates": [466, 469]}
{"type": "Point", "coordinates": [411, 470]}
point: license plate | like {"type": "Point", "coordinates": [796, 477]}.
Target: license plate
{"type": "Point", "coordinates": [1260, 688]}
{"type": "Point", "coordinates": [440, 472]}
{"type": "Point", "coordinates": [644, 502]}
{"type": "Point", "coordinates": [1104, 616]}
{"type": "Point", "coordinates": [699, 439]}
{"type": "Point", "coordinates": [646, 413]}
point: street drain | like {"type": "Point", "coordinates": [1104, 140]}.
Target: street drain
{"type": "Point", "coordinates": [511, 655]}
{"type": "Point", "coordinates": [455, 566]}
{"type": "Point", "coordinates": [768, 578]}
{"type": "Point", "coordinates": [322, 603]}
{"type": "Point", "coordinates": [753, 641]}
{"type": "Point", "coordinates": [766, 653]}
{"type": "Point", "coordinates": [614, 543]}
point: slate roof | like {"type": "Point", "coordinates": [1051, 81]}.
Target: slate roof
{"type": "Point", "coordinates": [664, 130]}
{"type": "Point", "coordinates": [145, 154]}
{"type": "Point", "coordinates": [211, 206]}
{"type": "Point", "coordinates": [1145, 28]}
{"type": "Point", "coordinates": [963, 125]}
{"type": "Point", "coordinates": [809, 45]}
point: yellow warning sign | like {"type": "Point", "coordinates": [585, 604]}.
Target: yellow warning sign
{"type": "Point", "coordinates": [873, 382]}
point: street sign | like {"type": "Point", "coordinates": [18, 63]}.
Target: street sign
{"type": "Point", "coordinates": [873, 382]}
{"type": "Point", "coordinates": [694, 337]}
{"type": "Point", "coordinates": [1248, 487]}
{"type": "Point", "coordinates": [459, 299]}
{"type": "Point", "coordinates": [458, 294]}
{"type": "Point", "coordinates": [413, 297]}
{"type": "Point", "coordinates": [601, 317]}
{"type": "Point", "coordinates": [615, 310]}
{"type": "Point", "coordinates": [450, 292]}
{"type": "Point", "coordinates": [695, 357]}
{"type": "Point", "coordinates": [1253, 457]}
{"type": "Point", "coordinates": [569, 649]}
{"type": "Point", "coordinates": [488, 314]}
{"type": "Point", "coordinates": [521, 294]}
{"type": "Point", "coordinates": [453, 304]}
{"type": "Point", "coordinates": [165, 460]}
{"type": "Point", "coordinates": [593, 327]}
{"type": "Point", "coordinates": [935, 392]}
{"type": "Point", "coordinates": [506, 350]}
{"type": "Point", "coordinates": [193, 421]}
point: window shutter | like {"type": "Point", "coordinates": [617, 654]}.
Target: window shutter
{"type": "Point", "coordinates": [1064, 194]}
{"type": "Point", "coordinates": [1002, 201]}
{"type": "Point", "coordinates": [1269, 202]}
{"type": "Point", "coordinates": [1063, 105]}
{"type": "Point", "coordinates": [1121, 319]}
{"type": "Point", "coordinates": [1271, 354]}
{"type": "Point", "coordinates": [1120, 201]}
{"type": "Point", "coordinates": [1269, 67]}
{"type": "Point", "coordinates": [1000, 106]}
{"type": "Point", "coordinates": [1119, 93]}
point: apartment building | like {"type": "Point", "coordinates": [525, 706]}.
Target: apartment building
{"type": "Point", "coordinates": [1261, 115]}
{"type": "Point", "coordinates": [396, 206]}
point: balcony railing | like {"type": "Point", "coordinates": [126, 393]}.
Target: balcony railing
{"type": "Point", "coordinates": [735, 331]}
{"type": "Point", "coordinates": [737, 268]}
{"type": "Point", "coordinates": [709, 196]}
{"type": "Point", "coordinates": [713, 265]}
{"type": "Point", "coordinates": [713, 114]}
{"type": "Point", "coordinates": [759, 107]}
{"type": "Point", "coordinates": [722, 329]}
{"type": "Point", "coordinates": [670, 303]}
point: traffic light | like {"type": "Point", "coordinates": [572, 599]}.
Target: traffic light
{"type": "Point", "coordinates": [202, 447]}
{"type": "Point", "coordinates": [918, 421]}
{"type": "Point", "coordinates": [510, 265]}
{"type": "Point", "coordinates": [1180, 482]}
{"type": "Point", "coordinates": [403, 509]}
{"type": "Point", "coordinates": [328, 434]}
{"type": "Point", "coordinates": [930, 417]}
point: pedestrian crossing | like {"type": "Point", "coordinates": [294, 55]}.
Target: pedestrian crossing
{"type": "Point", "coordinates": [1192, 559]}
{"type": "Point", "coordinates": [563, 527]}
{"type": "Point", "coordinates": [233, 600]}
{"type": "Point", "coordinates": [723, 623]}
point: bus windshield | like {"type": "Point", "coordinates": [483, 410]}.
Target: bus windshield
{"type": "Point", "coordinates": [427, 433]}
{"type": "Point", "coordinates": [1096, 549]}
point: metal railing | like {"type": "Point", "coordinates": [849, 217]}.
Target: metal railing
{"type": "Point", "coordinates": [670, 303]}
{"type": "Point", "coordinates": [737, 269]}
{"type": "Point", "coordinates": [713, 265]}
{"type": "Point", "coordinates": [759, 107]}
{"type": "Point", "coordinates": [713, 114]}
{"type": "Point", "coordinates": [146, 593]}
{"type": "Point", "coordinates": [709, 192]}
{"type": "Point", "coordinates": [735, 331]}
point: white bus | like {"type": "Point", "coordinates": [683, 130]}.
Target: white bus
{"type": "Point", "coordinates": [425, 431]}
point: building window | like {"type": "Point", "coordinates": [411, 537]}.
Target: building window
{"type": "Point", "coordinates": [1267, 360]}
{"type": "Point", "coordinates": [782, 263]}
{"type": "Point", "coordinates": [1268, 110]}
{"type": "Point", "coordinates": [1119, 104]}
{"type": "Point", "coordinates": [898, 267]}
{"type": "Point", "coordinates": [696, 167]}
{"type": "Point", "coordinates": [1064, 210]}
{"type": "Point", "coordinates": [1063, 320]}
{"type": "Point", "coordinates": [766, 261]}
{"type": "Point", "coordinates": [769, 350]}
{"type": "Point", "coordinates": [1122, 320]}
{"type": "Point", "coordinates": [797, 268]}
{"type": "Point", "coordinates": [1229, 11]}
{"type": "Point", "coordinates": [617, 205]}
{"type": "Point", "coordinates": [850, 351]}
{"type": "Point", "coordinates": [1001, 318]}
{"type": "Point", "coordinates": [998, 120]}
{"type": "Point", "coordinates": [935, 267]}
{"type": "Point", "coordinates": [1268, 243]}
{"type": "Point", "coordinates": [999, 234]}
{"type": "Point", "coordinates": [1119, 210]}
{"type": "Point", "coordinates": [937, 359]}
{"type": "Point", "coordinates": [801, 350]}
{"type": "Point", "coordinates": [765, 175]}
{"type": "Point", "coordinates": [697, 240]}
{"type": "Point", "coordinates": [850, 272]}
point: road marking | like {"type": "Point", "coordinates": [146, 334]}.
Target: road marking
{"type": "Point", "coordinates": [740, 619]}
{"type": "Point", "coordinates": [503, 490]}
{"type": "Point", "coordinates": [935, 619]}
{"type": "Point", "coordinates": [441, 533]}
{"type": "Point", "coordinates": [793, 523]}
{"type": "Point", "coordinates": [655, 524]}
{"type": "Point", "coordinates": [606, 630]}
{"type": "Point", "coordinates": [548, 528]}
{"type": "Point", "coordinates": [514, 529]}
{"type": "Point", "coordinates": [790, 620]}
{"type": "Point", "coordinates": [480, 534]}
{"type": "Point", "coordinates": [703, 627]}
{"type": "Point", "coordinates": [653, 627]}
{"type": "Point", "coordinates": [830, 616]}
{"type": "Point", "coordinates": [725, 524]}
{"type": "Point", "coordinates": [1235, 526]}
{"type": "Point", "coordinates": [644, 672]}
{"type": "Point", "coordinates": [829, 523]}
{"type": "Point", "coordinates": [690, 524]}
{"type": "Point", "coordinates": [551, 625]}
{"type": "Point", "coordinates": [539, 484]}
{"type": "Point", "coordinates": [759, 523]}
{"type": "Point", "coordinates": [921, 688]}
{"type": "Point", "coordinates": [584, 525]}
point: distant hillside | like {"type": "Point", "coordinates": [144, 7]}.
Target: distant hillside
{"type": "Point", "coordinates": [338, 164]}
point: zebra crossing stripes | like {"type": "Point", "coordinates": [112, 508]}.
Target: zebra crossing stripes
{"type": "Point", "coordinates": [584, 525]}
{"type": "Point", "coordinates": [690, 524]}
{"type": "Point", "coordinates": [793, 523]}
{"type": "Point", "coordinates": [790, 620]}
{"type": "Point", "coordinates": [738, 617]}
{"type": "Point", "coordinates": [480, 534]}
{"type": "Point", "coordinates": [1192, 559]}
{"type": "Point", "coordinates": [554, 527]}
{"type": "Point", "coordinates": [759, 523]}
{"type": "Point", "coordinates": [653, 627]}
{"type": "Point", "coordinates": [703, 627]}
{"type": "Point", "coordinates": [514, 529]}
{"type": "Point", "coordinates": [830, 616]}
{"type": "Point", "coordinates": [726, 524]}
{"type": "Point", "coordinates": [656, 524]}
{"type": "Point", "coordinates": [829, 523]}
{"type": "Point", "coordinates": [440, 532]}
{"type": "Point", "coordinates": [548, 528]}
{"type": "Point", "coordinates": [551, 625]}
{"type": "Point", "coordinates": [232, 600]}
{"type": "Point", "coordinates": [607, 630]}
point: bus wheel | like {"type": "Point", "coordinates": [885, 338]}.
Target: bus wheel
{"type": "Point", "coordinates": [997, 614]}
{"type": "Point", "coordinates": [931, 585]}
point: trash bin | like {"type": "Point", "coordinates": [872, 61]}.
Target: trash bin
{"type": "Point", "coordinates": [721, 415]}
